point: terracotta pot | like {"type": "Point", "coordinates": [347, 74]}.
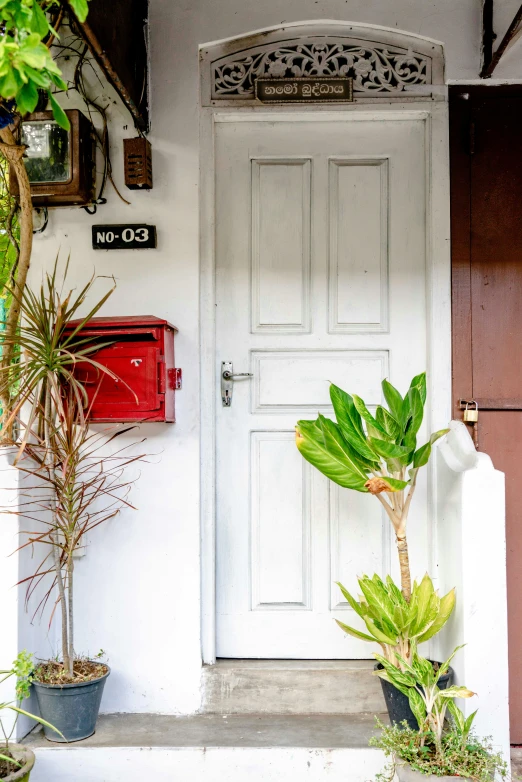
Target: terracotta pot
{"type": "Point", "coordinates": [406, 773]}
{"type": "Point", "coordinates": [26, 757]}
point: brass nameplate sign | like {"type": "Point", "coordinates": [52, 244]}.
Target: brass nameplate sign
{"type": "Point", "coordinates": [310, 90]}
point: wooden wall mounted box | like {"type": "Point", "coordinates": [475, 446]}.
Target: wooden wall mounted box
{"type": "Point", "coordinates": [139, 350]}
{"type": "Point", "coordinates": [60, 163]}
{"type": "Point", "coordinates": [138, 163]}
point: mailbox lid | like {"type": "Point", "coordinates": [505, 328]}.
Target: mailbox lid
{"type": "Point", "coordinates": [121, 324]}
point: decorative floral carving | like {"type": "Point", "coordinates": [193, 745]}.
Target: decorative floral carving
{"type": "Point", "coordinates": [374, 69]}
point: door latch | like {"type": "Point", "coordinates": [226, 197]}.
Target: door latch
{"type": "Point", "coordinates": [227, 381]}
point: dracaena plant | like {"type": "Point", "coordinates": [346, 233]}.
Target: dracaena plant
{"type": "Point", "coordinates": [377, 454]}
{"type": "Point", "coordinates": [49, 348]}
{"type": "Point", "coordinates": [392, 622]}
{"type": "Point", "coordinates": [83, 483]}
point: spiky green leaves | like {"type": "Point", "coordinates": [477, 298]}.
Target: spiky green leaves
{"type": "Point", "coordinates": [390, 620]}
{"type": "Point", "coordinates": [50, 348]}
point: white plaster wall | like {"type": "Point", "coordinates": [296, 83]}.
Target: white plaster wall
{"type": "Point", "coordinates": [138, 586]}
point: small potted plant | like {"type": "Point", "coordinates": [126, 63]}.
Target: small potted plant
{"type": "Point", "coordinates": [17, 760]}
{"type": "Point", "coordinates": [81, 484]}
{"type": "Point", "coordinates": [398, 626]}
{"type": "Point", "coordinates": [437, 749]}
{"type": "Point", "coordinates": [379, 455]}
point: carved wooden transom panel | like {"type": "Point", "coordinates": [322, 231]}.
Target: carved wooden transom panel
{"type": "Point", "coordinates": [398, 64]}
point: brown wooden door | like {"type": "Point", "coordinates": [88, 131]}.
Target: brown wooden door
{"type": "Point", "coordinates": [486, 208]}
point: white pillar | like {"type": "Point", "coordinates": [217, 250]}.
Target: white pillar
{"type": "Point", "coordinates": [10, 595]}
{"type": "Point", "coordinates": [472, 556]}
{"type": "Point", "coordinates": [24, 630]}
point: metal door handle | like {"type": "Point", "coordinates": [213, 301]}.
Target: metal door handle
{"type": "Point", "coordinates": [227, 379]}
{"type": "Point", "coordinates": [230, 376]}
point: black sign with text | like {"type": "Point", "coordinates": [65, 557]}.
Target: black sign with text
{"type": "Point", "coordinates": [123, 237]}
{"type": "Point", "coordinates": [314, 89]}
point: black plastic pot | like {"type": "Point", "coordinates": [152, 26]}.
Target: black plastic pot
{"type": "Point", "coordinates": [398, 704]}
{"type": "Point", "coordinates": [72, 708]}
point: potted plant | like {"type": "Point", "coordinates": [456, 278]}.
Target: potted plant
{"type": "Point", "coordinates": [81, 485]}
{"type": "Point", "coordinates": [437, 748]}
{"type": "Point", "coordinates": [378, 454]}
{"type": "Point", "coordinates": [398, 626]}
{"type": "Point", "coordinates": [86, 487]}
{"type": "Point", "coordinates": [17, 760]}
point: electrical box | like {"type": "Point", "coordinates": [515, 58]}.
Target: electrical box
{"type": "Point", "coordinates": [60, 163]}
{"type": "Point", "coordinates": [139, 352]}
{"type": "Point", "coordinates": [138, 163]}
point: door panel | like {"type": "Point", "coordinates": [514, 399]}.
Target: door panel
{"type": "Point", "coordinates": [487, 307]}
{"type": "Point", "coordinates": [320, 276]}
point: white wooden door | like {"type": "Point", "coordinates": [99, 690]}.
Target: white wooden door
{"type": "Point", "coordinates": [320, 276]}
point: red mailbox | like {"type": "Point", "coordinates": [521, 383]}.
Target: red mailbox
{"type": "Point", "coordinates": [141, 356]}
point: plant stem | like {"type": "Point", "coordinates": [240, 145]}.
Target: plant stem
{"type": "Point", "coordinates": [70, 571]}
{"type": "Point", "coordinates": [51, 466]}
{"type": "Point", "coordinates": [63, 601]}
{"type": "Point", "coordinates": [13, 153]}
{"type": "Point", "coordinates": [404, 562]}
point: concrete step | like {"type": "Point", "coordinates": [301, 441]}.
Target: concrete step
{"type": "Point", "coordinates": [291, 687]}
{"type": "Point", "coordinates": [214, 748]}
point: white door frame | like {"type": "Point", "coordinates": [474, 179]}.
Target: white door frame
{"type": "Point", "coordinates": [438, 298]}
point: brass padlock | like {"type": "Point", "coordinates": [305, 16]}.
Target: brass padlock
{"type": "Point", "coordinates": [471, 414]}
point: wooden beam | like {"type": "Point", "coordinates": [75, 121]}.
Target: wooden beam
{"type": "Point", "coordinates": [113, 32]}
{"type": "Point", "coordinates": [488, 34]}
{"type": "Point", "coordinates": [512, 32]}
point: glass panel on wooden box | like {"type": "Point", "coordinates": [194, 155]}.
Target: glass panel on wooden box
{"type": "Point", "coordinates": [48, 156]}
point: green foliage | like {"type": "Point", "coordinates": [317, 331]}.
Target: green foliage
{"type": "Point", "coordinates": [394, 623]}
{"type": "Point", "coordinates": [470, 759]}
{"type": "Point", "coordinates": [26, 64]}
{"type": "Point", "coordinates": [22, 669]}
{"type": "Point", "coordinates": [359, 444]}
{"type": "Point", "coordinates": [419, 681]}
{"type": "Point", "coordinates": [49, 351]}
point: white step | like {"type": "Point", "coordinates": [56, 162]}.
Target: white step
{"type": "Point", "coordinates": [214, 748]}
{"type": "Point", "coordinates": [291, 687]}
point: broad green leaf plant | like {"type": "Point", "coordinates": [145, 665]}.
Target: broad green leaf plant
{"type": "Point", "coordinates": [26, 64]}
{"type": "Point", "coordinates": [22, 669]}
{"type": "Point", "coordinates": [420, 683]}
{"type": "Point", "coordinates": [376, 454]}
{"type": "Point", "coordinates": [26, 69]}
{"type": "Point", "coordinates": [398, 626]}
{"type": "Point", "coordinates": [444, 744]}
